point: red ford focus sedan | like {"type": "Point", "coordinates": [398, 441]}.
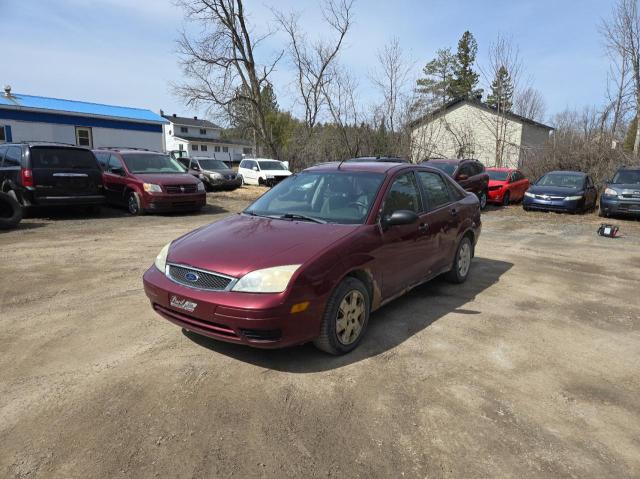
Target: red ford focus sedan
{"type": "Point", "coordinates": [315, 255]}
{"type": "Point", "coordinates": [506, 185]}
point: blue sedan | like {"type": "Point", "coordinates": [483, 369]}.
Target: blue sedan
{"type": "Point", "coordinates": [562, 191]}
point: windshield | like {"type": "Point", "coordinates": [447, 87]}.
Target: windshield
{"type": "Point", "coordinates": [563, 180]}
{"type": "Point", "coordinates": [213, 165]}
{"type": "Point", "coordinates": [498, 175]}
{"type": "Point", "coordinates": [448, 168]}
{"type": "Point", "coordinates": [62, 158]}
{"type": "Point", "coordinates": [627, 177]}
{"type": "Point", "coordinates": [333, 197]}
{"type": "Point", "coordinates": [271, 165]}
{"type": "Point", "coordinates": [151, 163]}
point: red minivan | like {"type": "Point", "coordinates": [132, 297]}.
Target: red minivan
{"type": "Point", "coordinates": [147, 181]}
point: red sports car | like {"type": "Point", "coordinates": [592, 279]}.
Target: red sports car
{"type": "Point", "coordinates": [312, 257]}
{"type": "Point", "coordinates": [506, 185]}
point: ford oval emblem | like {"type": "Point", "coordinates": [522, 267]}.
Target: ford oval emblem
{"type": "Point", "coordinates": [190, 276]}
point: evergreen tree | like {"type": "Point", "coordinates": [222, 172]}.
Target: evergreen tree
{"type": "Point", "coordinates": [501, 96]}
{"type": "Point", "coordinates": [435, 87]}
{"type": "Point", "coordinates": [465, 78]}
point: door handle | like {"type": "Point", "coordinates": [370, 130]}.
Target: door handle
{"type": "Point", "coordinates": [453, 211]}
{"type": "Point", "coordinates": [423, 227]}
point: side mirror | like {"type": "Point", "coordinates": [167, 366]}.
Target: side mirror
{"type": "Point", "coordinates": [462, 177]}
{"type": "Point", "coordinates": [255, 168]}
{"type": "Point", "coordinates": [118, 171]}
{"type": "Point", "coordinates": [399, 217]}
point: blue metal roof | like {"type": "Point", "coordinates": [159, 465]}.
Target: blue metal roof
{"type": "Point", "coordinates": [79, 107]}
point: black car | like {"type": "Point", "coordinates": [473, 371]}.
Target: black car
{"type": "Point", "coordinates": [561, 191]}
{"type": "Point", "coordinates": [622, 193]}
{"type": "Point", "coordinates": [381, 159]}
{"type": "Point", "coordinates": [215, 174]}
{"type": "Point", "coordinates": [50, 174]}
{"type": "Point", "coordinates": [468, 173]}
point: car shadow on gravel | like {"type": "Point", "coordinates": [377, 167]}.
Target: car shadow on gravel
{"type": "Point", "coordinates": [78, 213]}
{"type": "Point", "coordinates": [389, 327]}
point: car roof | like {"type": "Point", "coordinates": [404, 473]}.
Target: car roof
{"type": "Point", "coordinates": [495, 168]}
{"type": "Point", "coordinates": [451, 161]}
{"type": "Point", "coordinates": [384, 159]}
{"type": "Point", "coordinates": [360, 166]}
{"type": "Point", "coordinates": [568, 172]}
{"type": "Point", "coordinates": [45, 143]}
{"type": "Point", "coordinates": [129, 150]}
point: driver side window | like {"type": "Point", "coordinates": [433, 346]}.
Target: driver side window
{"type": "Point", "coordinates": [402, 195]}
{"type": "Point", "coordinates": [114, 166]}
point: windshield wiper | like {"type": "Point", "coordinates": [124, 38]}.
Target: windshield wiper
{"type": "Point", "coordinates": [294, 216]}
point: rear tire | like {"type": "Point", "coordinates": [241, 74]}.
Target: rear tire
{"type": "Point", "coordinates": [10, 211]}
{"type": "Point", "coordinates": [461, 263]}
{"type": "Point", "coordinates": [506, 199]}
{"type": "Point", "coordinates": [134, 204]}
{"type": "Point", "coordinates": [482, 198]}
{"type": "Point", "coordinates": [345, 318]}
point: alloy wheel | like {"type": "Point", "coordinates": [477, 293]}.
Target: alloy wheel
{"type": "Point", "coordinates": [351, 317]}
{"type": "Point", "coordinates": [483, 200]}
{"type": "Point", "coordinates": [464, 259]}
{"type": "Point", "coordinates": [133, 204]}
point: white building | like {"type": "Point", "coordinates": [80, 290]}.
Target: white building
{"type": "Point", "coordinates": [36, 118]}
{"type": "Point", "coordinates": [468, 128]}
{"type": "Point", "coordinates": [200, 137]}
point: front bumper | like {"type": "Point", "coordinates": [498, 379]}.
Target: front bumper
{"type": "Point", "coordinates": [165, 203]}
{"type": "Point", "coordinates": [258, 320]}
{"type": "Point", "coordinates": [223, 183]}
{"type": "Point", "coordinates": [496, 196]}
{"type": "Point", "coordinates": [617, 206]}
{"type": "Point", "coordinates": [553, 205]}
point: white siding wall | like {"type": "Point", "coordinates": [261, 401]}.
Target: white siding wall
{"type": "Point", "coordinates": [35, 131]}
{"type": "Point", "coordinates": [469, 125]}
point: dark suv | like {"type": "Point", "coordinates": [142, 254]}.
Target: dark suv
{"type": "Point", "coordinates": [622, 193]}
{"type": "Point", "coordinates": [148, 181]}
{"type": "Point", "coordinates": [470, 174]}
{"type": "Point", "coordinates": [50, 174]}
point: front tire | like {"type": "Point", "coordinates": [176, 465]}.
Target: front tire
{"type": "Point", "coordinates": [462, 262]}
{"type": "Point", "coordinates": [506, 199]}
{"type": "Point", "coordinates": [134, 204]}
{"type": "Point", "coordinates": [345, 318]}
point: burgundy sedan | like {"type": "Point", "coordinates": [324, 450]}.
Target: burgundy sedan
{"type": "Point", "coordinates": [315, 255]}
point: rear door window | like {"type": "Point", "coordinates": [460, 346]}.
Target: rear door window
{"type": "Point", "coordinates": [465, 169]}
{"type": "Point", "coordinates": [3, 150]}
{"type": "Point", "coordinates": [12, 157]}
{"type": "Point", "coordinates": [435, 188]}
{"type": "Point", "coordinates": [70, 158]}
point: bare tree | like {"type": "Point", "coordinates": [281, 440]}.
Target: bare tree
{"type": "Point", "coordinates": [622, 34]}
{"type": "Point", "coordinates": [312, 60]}
{"type": "Point", "coordinates": [390, 79]}
{"type": "Point", "coordinates": [529, 103]}
{"type": "Point", "coordinates": [221, 64]}
{"type": "Point", "coordinates": [340, 95]}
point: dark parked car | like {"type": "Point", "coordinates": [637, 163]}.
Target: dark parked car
{"type": "Point", "coordinates": [561, 191]}
{"type": "Point", "coordinates": [470, 174]}
{"type": "Point", "coordinates": [148, 181]}
{"type": "Point", "coordinates": [50, 174]}
{"type": "Point", "coordinates": [622, 194]}
{"type": "Point", "coordinates": [215, 174]}
{"type": "Point", "coordinates": [382, 159]}
{"type": "Point", "coordinates": [312, 257]}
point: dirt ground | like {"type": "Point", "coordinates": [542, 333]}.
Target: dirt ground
{"type": "Point", "coordinates": [530, 369]}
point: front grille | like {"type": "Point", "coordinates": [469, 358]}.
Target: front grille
{"type": "Point", "coordinates": [262, 334]}
{"type": "Point", "coordinates": [198, 279]}
{"type": "Point", "coordinates": [630, 195]}
{"type": "Point", "coordinates": [177, 189]}
{"type": "Point", "coordinates": [230, 177]}
{"type": "Point", "coordinates": [493, 188]}
{"type": "Point", "coordinates": [554, 198]}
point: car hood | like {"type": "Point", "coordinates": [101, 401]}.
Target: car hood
{"type": "Point", "coordinates": [167, 178]}
{"type": "Point", "coordinates": [497, 183]}
{"type": "Point", "coordinates": [554, 190]}
{"type": "Point", "coordinates": [242, 243]}
{"type": "Point", "coordinates": [625, 187]}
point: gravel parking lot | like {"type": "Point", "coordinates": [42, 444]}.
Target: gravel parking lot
{"type": "Point", "coordinates": [530, 369]}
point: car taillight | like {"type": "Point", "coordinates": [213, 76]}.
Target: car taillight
{"type": "Point", "coordinates": [26, 175]}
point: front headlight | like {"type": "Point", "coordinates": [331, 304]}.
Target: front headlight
{"type": "Point", "coordinates": [269, 280]}
{"type": "Point", "coordinates": [201, 176]}
{"type": "Point", "coordinates": [573, 198]}
{"type": "Point", "coordinates": [214, 175]}
{"type": "Point", "coordinates": [200, 186]}
{"type": "Point", "coordinates": [529, 195]}
{"type": "Point", "coordinates": [161, 259]}
{"type": "Point", "coordinates": [151, 188]}
{"type": "Point", "coordinates": [610, 192]}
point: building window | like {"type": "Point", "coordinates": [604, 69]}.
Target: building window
{"type": "Point", "coordinates": [84, 137]}
{"type": "Point", "coordinates": [203, 148]}
{"type": "Point", "coordinates": [2, 135]}
{"type": "Point", "coordinates": [203, 131]}
{"type": "Point", "coordinates": [247, 151]}
{"type": "Point", "coordinates": [217, 149]}
{"type": "Point", "coordinates": [184, 129]}
{"type": "Point", "coordinates": [225, 149]}
{"type": "Point", "coordinates": [194, 147]}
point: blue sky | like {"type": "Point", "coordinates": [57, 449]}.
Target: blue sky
{"type": "Point", "coordinates": [123, 51]}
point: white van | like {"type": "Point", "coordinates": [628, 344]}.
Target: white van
{"type": "Point", "coordinates": [262, 171]}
